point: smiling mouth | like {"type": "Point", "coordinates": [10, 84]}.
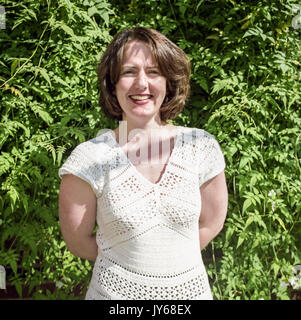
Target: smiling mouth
{"type": "Point", "coordinates": [140, 97]}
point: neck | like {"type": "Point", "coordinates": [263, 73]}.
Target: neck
{"type": "Point", "coordinates": [128, 128]}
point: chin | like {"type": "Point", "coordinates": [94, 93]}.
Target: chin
{"type": "Point", "coordinates": [141, 113]}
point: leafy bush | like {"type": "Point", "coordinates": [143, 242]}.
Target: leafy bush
{"type": "Point", "coordinates": [49, 105]}
{"type": "Point", "coordinates": [245, 91]}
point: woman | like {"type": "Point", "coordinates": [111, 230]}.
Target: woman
{"type": "Point", "coordinates": [157, 191]}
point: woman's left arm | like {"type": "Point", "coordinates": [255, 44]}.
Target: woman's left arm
{"type": "Point", "coordinates": [214, 196]}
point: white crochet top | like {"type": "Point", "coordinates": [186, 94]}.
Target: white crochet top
{"type": "Point", "coordinates": [147, 233]}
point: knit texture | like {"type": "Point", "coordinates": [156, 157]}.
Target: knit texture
{"type": "Point", "coordinates": [147, 233]}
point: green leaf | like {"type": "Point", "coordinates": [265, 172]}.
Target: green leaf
{"type": "Point", "coordinates": [14, 65]}
{"type": "Point", "coordinates": [61, 81]}
{"type": "Point", "coordinates": [213, 37]}
{"type": "Point", "coordinates": [60, 152]}
{"type": "Point", "coordinates": [91, 11]}
{"type": "Point", "coordinates": [249, 221]}
{"type": "Point", "coordinates": [41, 113]}
{"type": "Point", "coordinates": [105, 17]}
{"type": "Point", "coordinates": [11, 258]}
{"type": "Point", "coordinates": [203, 83]}
{"type": "Point", "coordinates": [240, 242]}
{"type": "Point", "coordinates": [246, 205]}
{"type": "Point", "coordinates": [18, 286]}
{"type": "Point", "coordinates": [67, 29]}
{"type": "Point", "coordinates": [78, 46]}
{"type": "Point", "coordinates": [255, 31]}
{"type": "Point", "coordinates": [199, 4]}
{"type": "Point", "coordinates": [14, 195]}
{"type": "Point", "coordinates": [275, 267]}
{"type": "Point", "coordinates": [229, 233]}
{"type": "Point", "coordinates": [280, 222]}
{"type": "Point", "coordinates": [245, 25]}
{"type": "Point", "coordinates": [45, 75]}
{"type": "Point", "coordinates": [244, 160]}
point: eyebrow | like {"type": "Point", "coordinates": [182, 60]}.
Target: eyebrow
{"type": "Point", "coordinates": [134, 67]}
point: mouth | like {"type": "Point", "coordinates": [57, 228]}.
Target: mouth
{"type": "Point", "coordinates": [141, 97]}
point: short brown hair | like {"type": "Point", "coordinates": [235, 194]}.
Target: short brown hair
{"type": "Point", "coordinates": [172, 61]}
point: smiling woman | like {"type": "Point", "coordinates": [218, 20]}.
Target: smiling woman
{"type": "Point", "coordinates": [153, 217]}
{"type": "Point", "coordinates": [169, 62]}
{"type": "Point", "coordinates": [141, 87]}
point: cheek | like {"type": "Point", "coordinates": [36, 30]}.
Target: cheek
{"type": "Point", "coordinates": [161, 87]}
{"type": "Point", "coordinates": [121, 88]}
{"type": "Point", "coordinates": [124, 84]}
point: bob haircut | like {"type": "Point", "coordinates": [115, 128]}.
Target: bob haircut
{"type": "Point", "coordinates": [172, 61]}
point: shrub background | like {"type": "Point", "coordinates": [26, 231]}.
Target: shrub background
{"type": "Point", "coordinates": [245, 91]}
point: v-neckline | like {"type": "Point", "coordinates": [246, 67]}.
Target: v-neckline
{"type": "Point", "coordinates": [137, 172]}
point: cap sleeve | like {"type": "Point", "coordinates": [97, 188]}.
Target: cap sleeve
{"type": "Point", "coordinates": [211, 158]}
{"type": "Point", "coordinates": [82, 164]}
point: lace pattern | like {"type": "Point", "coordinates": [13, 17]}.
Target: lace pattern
{"type": "Point", "coordinates": [115, 283]}
{"type": "Point", "coordinates": [148, 233]}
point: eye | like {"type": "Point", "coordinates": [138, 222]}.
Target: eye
{"type": "Point", "coordinates": [128, 72]}
{"type": "Point", "coordinates": [154, 71]}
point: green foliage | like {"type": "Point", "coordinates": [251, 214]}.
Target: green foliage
{"type": "Point", "coordinates": [245, 90]}
{"type": "Point", "coordinates": [49, 52]}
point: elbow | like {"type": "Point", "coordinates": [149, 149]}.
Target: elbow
{"type": "Point", "coordinates": [72, 249]}
{"type": "Point", "coordinates": [220, 229]}
{"type": "Point", "coordinates": [72, 245]}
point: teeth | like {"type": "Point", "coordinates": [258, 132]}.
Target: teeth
{"type": "Point", "coordinates": [140, 97]}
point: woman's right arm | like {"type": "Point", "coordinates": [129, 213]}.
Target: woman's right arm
{"type": "Point", "coordinates": [77, 214]}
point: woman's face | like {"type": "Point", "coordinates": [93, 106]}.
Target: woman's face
{"type": "Point", "coordinates": [141, 87]}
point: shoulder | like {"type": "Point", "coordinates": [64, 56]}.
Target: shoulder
{"type": "Point", "coordinates": [197, 135]}
{"type": "Point", "coordinates": [95, 147]}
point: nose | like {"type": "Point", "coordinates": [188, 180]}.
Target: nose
{"type": "Point", "coordinates": [141, 80]}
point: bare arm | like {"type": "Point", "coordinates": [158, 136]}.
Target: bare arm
{"type": "Point", "coordinates": [214, 208]}
{"type": "Point", "coordinates": [77, 213]}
